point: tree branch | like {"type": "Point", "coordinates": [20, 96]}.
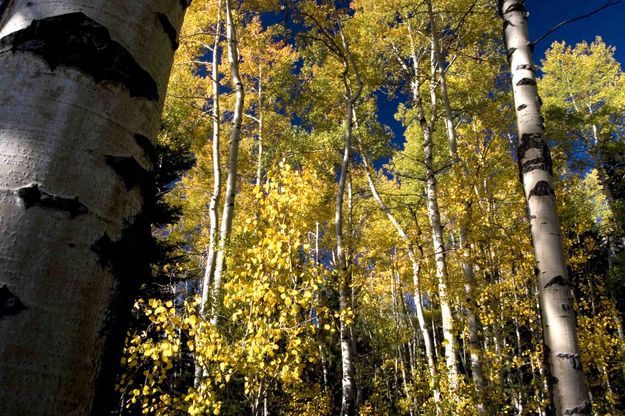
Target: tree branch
{"type": "Point", "coordinates": [609, 3]}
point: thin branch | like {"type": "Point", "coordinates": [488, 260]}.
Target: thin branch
{"type": "Point", "coordinates": [609, 3]}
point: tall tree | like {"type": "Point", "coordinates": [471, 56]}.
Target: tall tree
{"type": "Point", "coordinates": [561, 346]}
{"type": "Point", "coordinates": [211, 256]}
{"type": "Point", "coordinates": [85, 85]}
{"type": "Point", "coordinates": [233, 159]}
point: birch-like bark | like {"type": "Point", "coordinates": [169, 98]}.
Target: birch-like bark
{"type": "Point", "coordinates": [81, 91]}
{"type": "Point", "coordinates": [569, 393]}
{"type": "Point", "coordinates": [259, 162]}
{"type": "Point", "coordinates": [216, 197]}
{"type": "Point", "coordinates": [427, 128]}
{"type": "Point", "coordinates": [425, 333]}
{"type": "Point", "coordinates": [233, 158]}
{"type": "Point", "coordinates": [467, 265]}
{"type": "Point", "coordinates": [348, 382]}
{"type": "Point", "coordinates": [345, 291]}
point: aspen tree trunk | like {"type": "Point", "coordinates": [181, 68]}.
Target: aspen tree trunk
{"type": "Point", "coordinates": [259, 166]}
{"type": "Point", "coordinates": [427, 128]}
{"type": "Point", "coordinates": [81, 91]}
{"type": "Point", "coordinates": [593, 150]}
{"type": "Point", "coordinates": [233, 158]}
{"type": "Point", "coordinates": [348, 382]}
{"type": "Point", "coordinates": [570, 396]}
{"type": "Point", "coordinates": [216, 197]}
{"type": "Point", "coordinates": [467, 265]}
{"type": "Point", "coordinates": [345, 290]}
{"type": "Point", "coordinates": [427, 339]}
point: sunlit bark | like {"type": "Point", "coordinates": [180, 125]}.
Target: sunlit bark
{"type": "Point", "coordinates": [233, 158]}
{"type": "Point", "coordinates": [81, 86]}
{"type": "Point", "coordinates": [570, 396]}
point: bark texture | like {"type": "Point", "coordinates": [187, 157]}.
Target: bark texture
{"type": "Point", "coordinates": [427, 128]}
{"type": "Point", "coordinates": [427, 338]}
{"type": "Point", "coordinates": [233, 159]}
{"type": "Point", "coordinates": [570, 396]}
{"type": "Point", "coordinates": [348, 382]}
{"type": "Point", "coordinates": [467, 265]}
{"type": "Point", "coordinates": [216, 197]}
{"type": "Point", "coordinates": [81, 91]}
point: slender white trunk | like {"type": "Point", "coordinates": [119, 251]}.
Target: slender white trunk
{"type": "Point", "coordinates": [214, 204]}
{"type": "Point", "coordinates": [233, 158]}
{"type": "Point", "coordinates": [570, 396]}
{"type": "Point", "coordinates": [467, 265]}
{"type": "Point", "coordinates": [348, 383]}
{"type": "Point", "coordinates": [81, 91]}
{"type": "Point", "coordinates": [427, 339]}
{"type": "Point", "coordinates": [427, 128]}
{"type": "Point", "coordinates": [347, 362]}
{"type": "Point", "coordinates": [259, 166]}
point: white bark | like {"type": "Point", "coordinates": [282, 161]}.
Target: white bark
{"type": "Point", "coordinates": [81, 89]}
{"type": "Point", "coordinates": [259, 162]}
{"type": "Point", "coordinates": [427, 339]}
{"type": "Point", "coordinates": [348, 384]}
{"type": "Point", "coordinates": [216, 197]}
{"type": "Point", "coordinates": [233, 157]}
{"type": "Point", "coordinates": [427, 127]}
{"type": "Point", "coordinates": [467, 265]}
{"type": "Point", "coordinates": [570, 396]}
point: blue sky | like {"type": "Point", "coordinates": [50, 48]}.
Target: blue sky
{"type": "Point", "coordinates": [608, 23]}
{"type": "Point", "coordinates": [543, 15]}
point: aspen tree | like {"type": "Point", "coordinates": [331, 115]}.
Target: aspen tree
{"type": "Point", "coordinates": [209, 271]}
{"type": "Point", "coordinates": [233, 157]}
{"type": "Point", "coordinates": [561, 347]}
{"type": "Point", "coordinates": [427, 129]}
{"type": "Point", "coordinates": [427, 338]}
{"type": "Point", "coordinates": [467, 265]}
{"type": "Point", "coordinates": [82, 86]}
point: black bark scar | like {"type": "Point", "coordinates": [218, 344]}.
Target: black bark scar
{"type": "Point", "coordinates": [516, 7]}
{"type": "Point", "coordinates": [542, 160]}
{"type": "Point", "coordinates": [9, 303]}
{"type": "Point", "coordinates": [129, 170]}
{"type": "Point", "coordinates": [542, 188]}
{"type": "Point", "coordinates": [558, 280]}
{"type": "Point", "coordinates": [581, 410]}
{"type": "Point", "coordinates": [573, 359]}
{"type": "Point", "coordinates": [521, 107]}
{"type": "Point", "coordinates": [148, 148]}
{"type": "Point", "coordinates": [510, 52]}
{"type": "Point", "coordinates": [74, 40]}
{"type": "Point", "coordinates": [526, 81]}
{"type": "Point", "coordinates": [525, 67]}
{"type": "Point", "coordinates": [169, 29]}
{"type": "Point", "coordinates": [3, 7]}
{"type": "Point", "coordinates": [32, 196]}
{"type": "Point", "coordinates": [128, 259]}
